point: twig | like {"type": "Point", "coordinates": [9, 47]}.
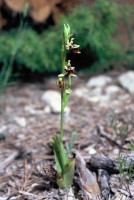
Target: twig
{"type": "Point", "coordinates": [12, 195]}
{"type": "Point", "coordinates": [26, 176]}
{"type": "Point", "coordinates": [104, 134]}
{"type": "Point", "coordinates": [5, 176]}
{"type": "Point", "coordinates": [9, 160]}
{"type": "Point", "coordinates": [30, 194]}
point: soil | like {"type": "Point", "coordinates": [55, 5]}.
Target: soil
{"type": "Point", "coordinates": [25, 139]}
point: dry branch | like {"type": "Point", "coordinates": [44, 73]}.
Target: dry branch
{"type": "Point", "coordinates": [103, 178]}
{"type": "Point", "coordinates": [102, 133]}
{"type": "Point", "coordinates": [100, 161]}
{"type": "Point", "coordinates": [88, 181]}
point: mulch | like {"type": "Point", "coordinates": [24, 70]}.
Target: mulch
{"type": "Point", "coordinates": [25, 149]}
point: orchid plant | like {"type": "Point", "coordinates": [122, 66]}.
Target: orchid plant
{"type": "Point", "coordinates": [65, 165]}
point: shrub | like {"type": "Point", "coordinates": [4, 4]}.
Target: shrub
{"type": "Point", "coordinates": [97, 27]}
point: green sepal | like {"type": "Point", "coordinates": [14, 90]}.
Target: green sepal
{"type": "Point", "coordinates": [61, 75]}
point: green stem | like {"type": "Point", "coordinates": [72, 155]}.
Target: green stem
{"type": "Point", "coordinates": [63, 56]}
{"type": "Point", "coordinates": [62, 114]}
{"type": "Point", "coordinates": [62, 90]}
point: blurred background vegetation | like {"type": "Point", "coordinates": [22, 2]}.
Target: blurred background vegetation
{"type": "Point", "coordinates": [31, 32]}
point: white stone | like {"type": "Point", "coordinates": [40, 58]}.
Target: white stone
{"type": "Point", "coordinates": [33, 111]}
{"type": "Point", "coordinates": [21, 121]}
{"type": "Point", "coordinates": [99, 81]}
{"type": "Point", "coordinates": [88, 93]}
{"type": "Point", "coordinates": [93, 99]}
{"type": "Point", "coordinates": [53, 99]}
{"type": "Point", "coordinates": [126, 80]}
{"type": "Point", "coordinates": [103, 100]}
{"type": "Point", "coordinates": [112, 89]}
{"type": "Point", "coordinates": [81, 91]}
{"type": "Point", "coordinates": [95, 92]}
{"type": "Point", "coordinates": [47, 109]}
{"type": "Point", "coordinates": [3, 128]}
{"type": "Point", "coordinates": [91, 150]}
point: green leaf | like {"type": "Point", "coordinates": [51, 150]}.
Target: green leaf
{"type": "Point", "coordinates": [60, 154]}
{"type": "Point", "coordinates": [70, 145]}
{"type": "Point", "coordinates": [65, 166]}
{"type": "Point", "coordinates": [69, 172]}
{"type": "Point", "coordinates": [67, 179]}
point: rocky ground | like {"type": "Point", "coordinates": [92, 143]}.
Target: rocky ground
{"type": "Point", "coordinates": [101, 110]}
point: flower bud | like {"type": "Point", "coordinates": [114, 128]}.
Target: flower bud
{"type": "Point", "coordinates": [66, 32]}
{"type": "Point", "coordinates": [60, 83]}
{"type": "Point", "coordinates": [68, 91]}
